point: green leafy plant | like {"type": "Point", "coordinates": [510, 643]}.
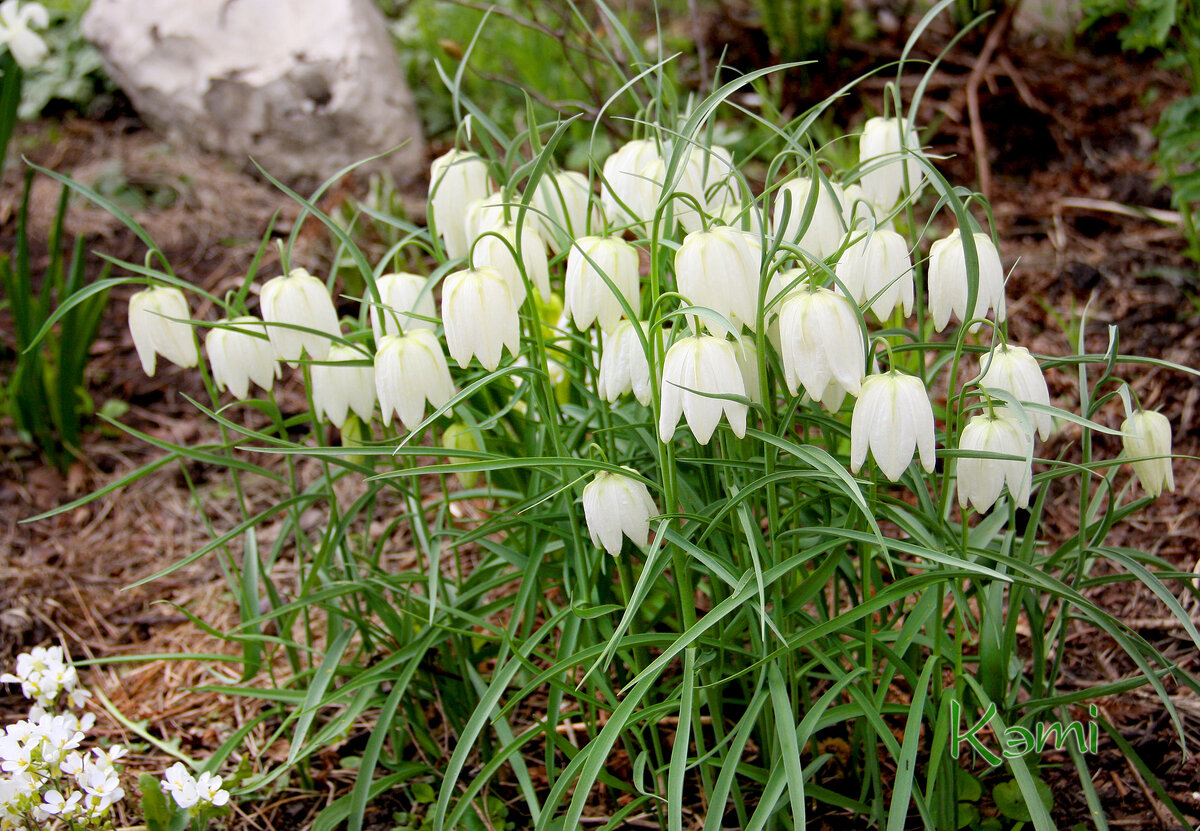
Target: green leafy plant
{"type": "Point", "coordinates": [1171, 27]}
{"type": "Point", "coordinates": [44, 389]}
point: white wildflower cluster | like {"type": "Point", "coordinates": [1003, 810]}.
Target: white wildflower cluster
{"type": "Point", "coordinates": [668, 228]}
{"type": "Point", "coordinates": [47, 779]}
{"type": "Point", "coordinates": [194, 793]}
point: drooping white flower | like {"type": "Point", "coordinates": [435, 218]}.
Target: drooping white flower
{"type": "Point", "coordinates": [878, 266]}
{"type": "Point", "coordinates": [821, 343]}
{"type": "Point", "coordinates": [980, 480]}
{"type": "Point", "coordinates": [1148, 438]}
{"type": "Point", "coordinates": [410, 370]}
{"type": "Point", "coordinates": [456, 179]}
{"type": "Point", "coordinates": [157, 321]}
{"type": "Point", "coordinates": [623, 366]}
{"type": "Point", "coordinates": [17, 23]}
{"type": "Point", "coordinates": [825, 230]}
{"type": "Point", "coordinates": [399, 295]}
{"type": "Point", "coordinates": [719, 270]}
{"type": "Point", "coordinates": [496, 247]}
{"type": "Point", "coordinates": [892, 418]}
{"type": "Point", "coordinates": [746, 354]}
{"type": "Point", "coordinates": [480, 317]}
{"type": "Point", "coordinates": [486, 214]}
{"type": "Point", "coordinates": [948, 280]}
{"type": "Point", "coordinates": [615, 505]}
{"type": "Point", "coordinates": [299, 299]}
{"type": "Point", "coordinates": [587, 298]}
{"type": "Point", "coordinates": [564, 203]}
{"type": "Point", "coordinates": [240, 354]}
{"type": "Point", "coordinates": [887, 147]}
{"type": "Point", "coordinates": [718, 178]}
{"type": "Point", "coordinates": [694, 369]}
{"type": "Point", "coordinates": [344, 383]}
{"type": "Point", "coordinates": [739, 216]}
{"type": "Point", "coordinates": [1014, 370]}
{"type": "Point", "coordinates": [621, 179]}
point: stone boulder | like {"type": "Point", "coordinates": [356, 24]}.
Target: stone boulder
{"type": "Point", "coordinates": [304, 87]}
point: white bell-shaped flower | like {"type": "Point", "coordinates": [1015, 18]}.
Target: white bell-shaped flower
{"type": "Point", "coordinates": [299, 299]}
{"type": "Point", "coordinates": [621, 178]}
{"type": "Point", "coordinates": [719, 270]}
{"type": "Point", "coordinates": [17, 22]}
{"type": "Point", "coordinates": [948, 280]}
{"type": "Point", "coordinates": [486, 214]}
{"type": "Point", "coordinates": [718, 178]}
{"type": "Point", "coordinates": [399, 295]}
{"type": "Point", "coordinates": [746, 354]}
{"type": "Point", "coordinates": [623, 366]}
{"type": "Point", "coordinates": [456, 179]}
{"type": "Point", "coordinates": [346, 382]}
{"type": "Point", "coordinates": [565, 208]}
{"type": "Point", "coordinates": [240, 354]}
{"type": "Point", "coordinates": [410, 370]}
{"type": "Point", "coordinates": [887, 147]}
{"type": "Point", "coordinates": [616, 505]}
{"type": "Point", "coordinates": [821, 343]}
{"type": "Point", "coordinates": [694, 370]}
{"type": "Point", "coordinates": [158, 322]}
{"type": "Point", "coordinates": [480, 317]}
{"type": "Point", "coordinates": [587, 298]}
{"type": "Point", "coordinates": [496, 248]}
{"type": "Point", "coordinates": [1148, 439]}
{"type": "Point", "coordinates": [1014, 370]}
{"type": "Point", "coordinates": [825, 230]}
{"type": "Point", "coordinates": [980, 480]}
{"type": "Point", "coordinates": [877, 268]}
{"type": "Point", "coordinates": [739, 216]}
{"type": "Point", "coordinates": [892, 418]}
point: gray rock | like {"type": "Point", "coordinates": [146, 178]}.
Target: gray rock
{"type": "Point", "coordinates": [305, 87]}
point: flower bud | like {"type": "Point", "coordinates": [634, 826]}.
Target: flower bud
{"type": "Point", "coordinates": [694, 369]}
{"type": "Point", "coordinates": [821, 343]}
{"type": "Point", "coordinates": [410, 370]}
{"type": "Point", "coordinates": [948, 280]}
{"type": "Point", "coordinates": [587, 297]}
{"type": "Point", "coordinates": [480, 317]}
{"type": "Point", "coordinates": [892, 418]}
{"type": "Point", "coordinates": [456, 179]}
{"type": "Point", "coordinates": [1148, 438]}
{"type": "Point", "coordinates": [825, 230]}
{"type": "Point", "coordinates": [877, 268]}
{"type": "Point", "coordinates": [981, 480]}
{"type": "Point", "coordinates": [1014, 370]}
{"type": "Point", "coordinates": [299, 299]}
{"type": "Point", "coordinates": [400, 294]}
{"type": "Point", "coordinates": [157, 321]}
{"type": "Point", "coordinates": [459, 436]}
{"type": "Point", "coordinates": [241, 354]}
{"type": "Point", "coordinates": [614, 505]}
{"type": "Point", "coordinates": [884, 155]}
{"type": "Point", "coordinates": [346, 383]}
{"type": "Point", "coordinates": [719, 270]}
{"type": "Point", "coordinates": [623, 366]}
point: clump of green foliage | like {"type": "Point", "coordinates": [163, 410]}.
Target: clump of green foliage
{"type": "Point", "coordinates": [1172, 28]}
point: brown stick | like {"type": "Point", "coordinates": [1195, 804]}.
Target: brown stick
{"type": "Point", "coordinates": [978, 139]}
